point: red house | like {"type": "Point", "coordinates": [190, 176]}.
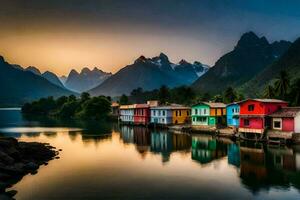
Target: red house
{"type": "Point", "coordinates": [141, 114]}
{"type": "Point", "coordinates": [254, 115]}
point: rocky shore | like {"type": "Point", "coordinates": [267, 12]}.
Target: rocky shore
{"type": "Point", "coordinates": [18, 159]}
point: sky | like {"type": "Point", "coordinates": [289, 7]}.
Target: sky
{"type": "Point", "coordinates": [60, 35]}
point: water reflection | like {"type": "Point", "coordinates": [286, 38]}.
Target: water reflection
{"type": "Point", "coordinates": [115, 159]}
{"type": "Point", "coordinates": [205, 149]}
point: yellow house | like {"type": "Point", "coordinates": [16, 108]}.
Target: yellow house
{"type": "Point", "coordinates": [180, 114]}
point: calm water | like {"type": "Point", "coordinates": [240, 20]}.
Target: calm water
{"type": "Point", "coordinates": [111, 162]}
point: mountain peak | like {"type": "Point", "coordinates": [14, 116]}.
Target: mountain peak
{"type": "Point", "coordinates": [183, 62]}
{"type": "Point", "coordinates": [33, 70]}
{"type": "Point", "coordinates": [140, 59]}
{"type": "Point", "coordinates": [2, 59]}
{"type": "Point", "coordinates": [85, 70]}
{"type": "Point", "coordinates": [250, 39]}
{"type": "Point", "coordinates": [164, 57]}
{"type": "Point", "coordinates": [73, 72]}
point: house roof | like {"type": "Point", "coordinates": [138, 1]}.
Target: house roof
{"type": "Point", "coordinates": [171, 107]}
{"type": "Point", "coordinates": [114, 104]}
{"type": "Point", "coordinates": [233, 103]}
{"type": "Point", "coordinates": [264, 100]}
{"type": "Point", "coordinates": [212, 104]}
{"type": "Point", "coordinates": [127, 107]}
{"type": "Point", "coordinates": [286, 112]}
{"type": "Point", "coordinates": [142, 106]}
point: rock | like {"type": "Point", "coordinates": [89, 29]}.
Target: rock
{"type": "Point", "coordinates": [19, 158]}
{"type": "Point", "coordinates": [31, 166]}
{"type": "Point", "coordinates": [6, 159]}
{"type": "Point", "coordinates": [4, 176]}
{"type": "Point", "coordinates": [3, 186]}
{"type": "Point", "coordinates": [5, 197]}
{"type": "Point", "coordinates": [11, 193]}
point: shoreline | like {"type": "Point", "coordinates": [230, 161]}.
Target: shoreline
{"type": "Point", "coordinates": [18, 159]}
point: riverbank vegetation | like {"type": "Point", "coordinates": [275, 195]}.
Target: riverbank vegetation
{"type": "Point", "coordinates": [180, 95]}
{"type": "Point", "coordinates": [285, 89]}
{"type": "Point", "coordinates": [85, 107]}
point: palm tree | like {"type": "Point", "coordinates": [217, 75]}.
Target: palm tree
{"type": "Point", "coordinates": [295, 93]}
{"type": "Point", "coordinates": [230, 95]}
{"type": "Point", "coordinates": [282, 85]}
{"type": "Point", "coordinates": [269, 92]}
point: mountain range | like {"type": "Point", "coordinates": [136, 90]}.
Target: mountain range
{"type": "Point", "coordinates": [50, 76]}
{"type": "Point", "coordinates": [150, 73]}
{"type": "Point", "coordinates": [19, 85]}
{"type": "Point", "coordinates": [251, 55]}
{"type": "Point", "coordinates": [289, 61]}
{"type": "Point", "coordinates": [85, 80]}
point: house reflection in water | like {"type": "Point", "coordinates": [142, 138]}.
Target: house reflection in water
{"type": "Point", "coordinates": [142, 139]}
{"type": "Point", "coordinates": [127, 135]}
{"type": "Point", "coordinates": [234, 154]}
{"type": "Point", "coordinates": [161, 142]}
{"type": "Point", "coordinates": [181, 142]}
{"type": "Point", "coordinates": [205, 149]}
{"type": "Point", "coordinates": [263, 167]}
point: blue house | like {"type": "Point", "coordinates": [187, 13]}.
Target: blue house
{"type": "Point", "coordinates": [233, 112]}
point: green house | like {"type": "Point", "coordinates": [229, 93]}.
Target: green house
{"type": "Point", "coordinates": [208, 114]}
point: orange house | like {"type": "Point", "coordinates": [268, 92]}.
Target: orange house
{"type": "Point", "coordinates": [180, 114]}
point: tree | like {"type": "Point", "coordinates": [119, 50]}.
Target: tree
{"type": "Point", "coordinates": [217, 99]}
{"type": "Point", "coordinates": [84, 96]}
{"type": "Point", "coordinates": [72, 98]}
{"type": "Point", "coordinates": [206, 97]}
{"type": "Point", "coordinates": [269, 92]}
{"type": "Point", "coordinates": [95, 108]}
{"type": "Point", "coordinates": [163, 94]}
{"type": "Point", "coordinates": [294, 95]}
{"type": "Point", "coordinates": [68, 109]}
{"type": "Point", "coordinates": [230, 95]}
{"type": "Point", "coordinates": [124, 100]}
{"type": "Point", "coordinates": [282, 85]}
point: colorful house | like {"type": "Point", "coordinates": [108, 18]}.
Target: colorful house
{"type": "Point", "coordinates": [284, 123]}
{"type": "Point", "coordinates": [208, 114]}
{"type": "Point", "coordinates": [233, 112]}
{"type": "Point", "coordinates": [127, 113]}
{"type": "Point", "coordinates": [141, 114]}
{"type": "Point", "coordinates": [161, 115]}
{"type": "Point", "coordinates": [254, 114]}
{"type": "Point", "coordinates": [173, 114]}
{"type": "Point", "coordinates": [181, 114]}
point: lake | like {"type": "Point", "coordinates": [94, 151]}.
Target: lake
{"type": "Point", "coordinates": [108, 161]}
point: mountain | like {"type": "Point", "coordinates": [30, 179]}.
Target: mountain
{"type": "Point", "coordinates": [249, 57]}
{"type": "Point", "coordinates": [63, 79]}
{"type": "Point", "coordinates": [86, 79]}
{"type": "Point", "coordinates": [18, 86]}
{"type": "Point", "coordinates": [34, 70]}
{"type": "Point", "coordinates": [149, 74]}
{"type": "Point", "coordinates": [289, 61]}
{"type": "Point", "coordinates": [51, 77]}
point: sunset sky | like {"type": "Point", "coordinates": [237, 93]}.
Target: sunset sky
{"type": "Point", "coordinates": [60, 35]}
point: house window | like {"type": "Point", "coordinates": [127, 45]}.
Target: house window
{"type": "Point", "coordinates": [251, 107]}
{"type": "Point", "coordinates": [163, 113]}
{"type": "Point", "coordinates": [204, 111]}
{"type": "Point", "coordinates": [179, 112]}
{"type": "Point", "coordinates": [276, 123]}
{"type": "Point", "coordinates": [196, 111]}
{"type": "Point", "coordinates": [246, 122]}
